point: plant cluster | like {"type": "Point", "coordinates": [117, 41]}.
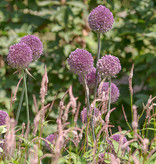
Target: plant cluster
{"type": "Point", "coordinates": [92, 140]}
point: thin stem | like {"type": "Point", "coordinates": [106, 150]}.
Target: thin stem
{"type": "Point", "coordinates": [26, 96]}
{"type": "Point", "coordinates": [20, 104]}
{"type": "Point", "coordinates": [98, 57]}
{"type": "Point", "coordinates": [109, 102]}
{"type": "Point", "coordinates": [88, 107]}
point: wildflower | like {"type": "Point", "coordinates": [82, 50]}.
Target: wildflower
{"type": "Point", "coordinates": [35, 45]}
{"type": "Point", "coordinates": [114, 91]}
{"type": "Point", "coordinates": [91, 78]}
{"type": "Point", "coordinates": [108, 65]}
{"type": "Point", "coordinates": [117, 138]}
{"type": "Point", "coordinates": [84, 114]}
{"type": "Point", "coordinates": [3, 116]}
{"type": "Point", "coordinates": [101, 19]}
{"type": "Point", "coordinates": [20, 56]}
{"type": "Point", "coordinates": [80, 61]}
{"type": "Point", "coordinates": [51, 138]}
{"type": "Point", "coordinates": [105, 156]}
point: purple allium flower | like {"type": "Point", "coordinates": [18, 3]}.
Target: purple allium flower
{"type": "Point", "coordinates": [20, 56]}
{"type": "Point", "coordinates": [51, 138]}
{"type": "Point", "coordinates": [101, 19]}
{"type": "Point", "coordinates": [117, 138]}
{"type": "Point", "coordinates": [84, 114]}
{"type": "Point", "coordinates": [3, 116]}
{"type": "Point", "coordinates": [109, 65]}
{"type": "Point", "coordinates": [114, 91]}
{"type": "Point", "coordinates": [35, 45]}
{"type": "Point", "coordinates": [80, 61]}
{"type": "Point", "coordinates": [104, 156]}
{"type": "Point", "coordinates": [91, 78]}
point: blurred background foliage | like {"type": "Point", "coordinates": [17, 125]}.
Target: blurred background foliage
{"type": "Point", "coordinates": [62, 26]}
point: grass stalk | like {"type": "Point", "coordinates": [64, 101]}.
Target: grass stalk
{"type": "Point", "coordinates": [26, 96]}
{"type": "Point", "coordinates": [109, 102]}
{"type": "Point", "coordinates": [88, 107]}
{"type": "Point", "coordinates": [20, 104]}
{"type": "Point", "coordinates": [98, 57]}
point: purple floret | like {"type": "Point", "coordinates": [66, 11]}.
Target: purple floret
{"type": "Point", "coordinates": [84, 114]}
{"type": "Point", "coordinates": [20, 56]}
{"type": "Point", "coordinates": [114, 91]}
{"type": "Point", "coordinates": [109, 66]}
{"type": "Point", "coordinates": [51, 138]}
{"type": "Point", "coordinates": [117, 138]}
{"type": "Point", "coordinates": [35, 45]}
{"type": "Point", "coordinates": [91, 78]}
{"type": "Point", "coordinates": [101, 19]}
{"type": "Point", "coordinates": [3, 116]}
{"type": "Point", "coordinates": [80, 61]}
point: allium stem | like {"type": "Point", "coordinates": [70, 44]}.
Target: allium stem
{"type": "Point", "coordinates": [88, 107]}
{"type": "Point", "coordinates": [109, 102]}
{"type": "Point", "coordinates": [26, 96]}
{"type": "Point", "coordinates": [20, 104]}
{"type": "Point", "coordinates": [98, 57]}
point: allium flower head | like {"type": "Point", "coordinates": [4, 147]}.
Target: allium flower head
{"type": "Point", "coordinates": [3, 116]}
{"type": "Point", "coordinates": [109, 65]}
{"type": "Point", "coordinates": [114, 91]}
{"type": "Point", "coordinates": [84, 114]}
{"type": "Point", "coordinates": [80, 61]}
{"type": "Point", "coordinates": [51, 138]}
{"type": "Point", "coordinates": [101, 19]}
{"type": "Point", "coordinates": [104, 156]}
{"type": "Point", "coordinates": [91, 78]}
{"type": "Point", "coordinates": [117, 138]}
{"type": "Point", "coordinates": [35, 45]}
{"type": "Point", "coordinates": [20, 56]}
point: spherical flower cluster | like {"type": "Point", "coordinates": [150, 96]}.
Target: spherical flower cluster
{"type": "Point", "coordinates": [80, 61]}
{"type": "Point", "coordinates": [20, 56]}
{"type": "Point", "coordinates": [90, 78]}
{"type": "Point", "coordinates": [109, 65]}
{"type": "Point", "coordinates": [117, 138]}
{"type": "Point", "coordinates": [51, 138]}
{"type": "Point", "coordinates": [84, 114]}
{"type": "Point", "coordinates": [114, 91]}
{"type": "Point", "coordinates": [101, 19]}
{"type": "Point", "coordinates": [105, 156]}
{"type": "Point", "coordinates": [3, 116]}
{"type": "Point", "coordinates": [35, 45]}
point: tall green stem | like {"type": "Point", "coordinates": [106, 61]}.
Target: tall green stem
{"type": "Point", "coordinates": [26, 96]}
{"type": "Point", "coordinates": [88, 107]}
{"type": "Point", "coordinates": [98, 57]}
{"type": "Point", "coordinates": [109, 102]}
{"type": "Point", "coordinates": [20, 104]}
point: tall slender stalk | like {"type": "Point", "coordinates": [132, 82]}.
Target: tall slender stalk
{"type": "Point", "coordinates": [88, 107]}
{"type": "Point", "coordinates": [109, 102]}
{"type": "Point", "coordinates": [98, 57]}
{"type": "Point", "coordinates": [20, 104]}
{"type": "Point", "coordinates": [26, 96]}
